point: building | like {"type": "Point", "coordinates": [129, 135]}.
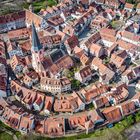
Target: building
{"type": "Point", "coordinates": [96, 50]}
{"type": "Point", "coordinates": [48, 105]}
{"type": "Point", "coordinates": [108, 36]}
{"type": "Point", "coordinates": [131, 74]}
{"type": "Point", "coordinates": [51, 126]}
{"type": "Point", "coordinates": [39, 102]}
{"type": "Point", "coordinates": [84, 74]}
{"type": "Point", "coordinates": [106, 75]}
{"type": "Point", "coordinates": [37, 51]}
{"type": "Point", "coordinates": [128, 7]}
{"type": "Point", "coordinates": [130, 37]}
{"type": "Point", "coordinates": [30, 79]}
{"type": "Point", "coordinates": [27, 124]}
{"type": "Point", "coordinates": [71, 104]}
{"type": "Point", "coordinates": [14, 49]}
{"type": "Point", "coordinates": [3, 85]}
{"type": "Point", "coordinates": [112, 114]}
{"type": "Point", "coordinates": [119, 58]}
{"type": "Point", "coordinates": [55, 85]}
{"type": "Point", "coordinates": [17, 64]}
{"type": "Point", "coordinates": [12, 21]}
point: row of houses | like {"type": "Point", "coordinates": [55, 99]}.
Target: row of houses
{"type": "Point", "coordinates": [87, 121]}
{"type": "Point", "coordinates": [32, 99]}
{"type": "Point", "coordinates": [3, 71]}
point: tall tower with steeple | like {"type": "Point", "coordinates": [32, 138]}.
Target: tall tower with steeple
{"type": "Point", "coordinates": [37, 50]}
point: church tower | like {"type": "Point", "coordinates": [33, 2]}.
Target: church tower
{"type": "Point", "coordinates": [37, 50]}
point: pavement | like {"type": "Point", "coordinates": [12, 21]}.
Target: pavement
{"type": "Point", "coordinates": [133, 133]}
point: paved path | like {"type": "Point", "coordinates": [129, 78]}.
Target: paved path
{"type": "Point", "coordinates": [133, 133]}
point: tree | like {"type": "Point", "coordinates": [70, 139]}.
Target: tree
{"type": "Point", "coordinates": [75, 84]}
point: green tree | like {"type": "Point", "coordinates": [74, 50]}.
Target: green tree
{"type": "Point", "coordinates": [75, 84]}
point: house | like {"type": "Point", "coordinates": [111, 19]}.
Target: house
{"type": "Point", "coordinates": [30, 79]}
{"type": "Point", "coordinates": [84, 59]}
{"type": "Point", "coordinates": [132, 50]}
{"type": "Point", "coordinates": [12, 116]}
{"type": "Point", "coordinates": [26, 47]}
{"type": "Point", "coordinates": [99, 22]}
{"type": "Point", "coordinates": [96, 62]}
{"type": "Point", "coordinates": [101, 102]}
{"type": "Point", "coordinates": [130, 37]}
{"type": "Point", "coordinates": [128, 76]}
{"type": "Point", "coordinates": [19, 34]}
{"type": "Point", "coordinates": [23, 95]}
{"type": "Point", "coordinates": [80, 122]}
{"type": "Point", "coordinates": [12, 21]}
{"type": "Point", "coordinates": [112, 49]}
{"type": "Point", "coordinates": [96, 50]}
{"type": "Point", "coordinates": [106, 75]}
{"type": "Point", "coordinates": [95, 117]}
{"type": "Point", "coordinates": [39, 102]}
{"type": "Point", "coordinates": [118, 95]}
{"type": "Point", "coordinates": [27, 97]}
{"type": "Point", "coordinates": [55, 85]}
{"type": "Point", "coordinates": [3, 85]}
{"type": "Point", "coordinates": [112, 114]}
{"type": "Point", "coordinates": [118, 58]}
{"type": "Point", "coordinates": [14, 49]}
{"type": "Point", "coordinates": [84, 74]}
{"type": "Point", "coordinates": [17, 64]}
{"type": "Point", "coordinates": [108, 36]}
{"type": "Point", "coordinates": [127, 107]}
{"type": "Point", "coordinates": [131, 74]}
{"type": "Point", "coordinates": [27, 123]}
{"type": "Point", "coordinates": [93, 93]}
{"type": "Point", "coordinates": [110, 14]}
{"type": "Point", "coordinates": [113, 3]}
{"type": "Point", "coordinates": [71, 43]}
{"type": "Point", "coordinates": [138, 8]}
{"type": "Point", "coordinates": [48, 105]}
{"type": "Point", "coordinates": [71, 104]}
{"type": "Point", "coordinates": [93, 39]}
{"type": "Point", "coordinates": [51, 126]}
{"type": "Point", "coordinates": [128, 7]}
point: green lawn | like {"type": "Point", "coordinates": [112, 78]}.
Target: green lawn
{"type": "Point", "coordinates": [42, 4]}
{"type": "Point", "coordinates": [5, 136]}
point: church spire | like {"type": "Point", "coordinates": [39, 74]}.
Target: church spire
{"type": "Point", "coordinates": [36, 45]}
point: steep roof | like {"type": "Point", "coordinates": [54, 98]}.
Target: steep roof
{"type": "Point", "coordinates": [36, 45]}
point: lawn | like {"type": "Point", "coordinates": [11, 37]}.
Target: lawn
{"type": "Point", "coordinates": [5, 136]}
{"type": "Point", "coordinates": [42, 4]}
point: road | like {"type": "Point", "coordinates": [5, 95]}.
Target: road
{"type": "Point", "coordinates": [10, 73]}
{"type": "Point", "coordinates": [133, 133]}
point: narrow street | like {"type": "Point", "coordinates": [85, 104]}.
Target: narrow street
{"type": "Point", "coordinates": [10, 73]}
